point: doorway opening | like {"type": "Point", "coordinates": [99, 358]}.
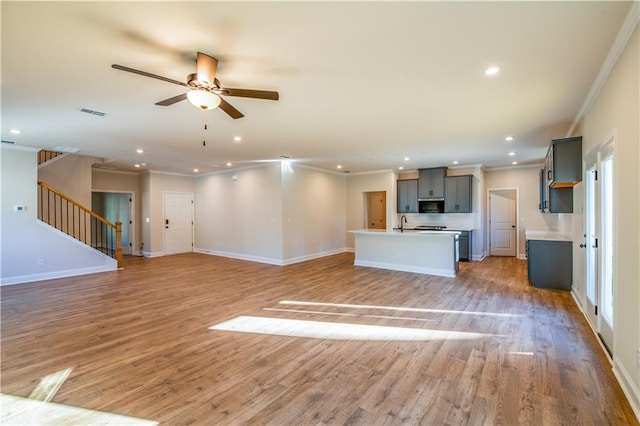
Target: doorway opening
{"type": "Point", "coordinates": [117, 206]}
{"type": "Point", "coordinates": [376, 209]}
{"type": "Point", "coordinates": [503, 224]}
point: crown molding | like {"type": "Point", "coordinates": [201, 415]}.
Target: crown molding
{"type": "Point", "coordinates": [624, 34]}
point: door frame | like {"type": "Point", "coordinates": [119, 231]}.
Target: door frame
{"type": "Point", "coordinates": [367, 212]}
{"type": "Point", "coordinates": [518, 255]}
{"type": "Point", "coordinates": [132, 215]}
{"type": "Point", "coordinates": [164, 215]}
{"type": "Point", "coordinates": [605, 332]}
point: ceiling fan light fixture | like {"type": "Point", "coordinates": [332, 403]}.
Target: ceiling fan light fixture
{"type": "Point", "coordinates": [203, 99]}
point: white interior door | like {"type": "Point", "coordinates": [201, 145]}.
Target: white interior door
{"type": "Point", "coordinates": [502, 222]}
{"type": "Point", "coordinates": [599, 241]}
{"type": "Point", "coordinates": [178, 222]}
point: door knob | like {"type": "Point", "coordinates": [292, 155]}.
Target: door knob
{"type": "Point", "coordinates": [583, 245]}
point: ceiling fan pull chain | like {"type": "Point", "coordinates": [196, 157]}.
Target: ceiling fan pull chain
{"type": "Point", "coordinates": [204, 142]}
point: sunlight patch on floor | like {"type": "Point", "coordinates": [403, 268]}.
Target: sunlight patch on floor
{"type": "Point", "coordinates": [299, 311]}
{"type": "Point", "coordinates": [23, 411]}
{"type": "Point", "coordinates": [337, 330]}
{"type": "Point", "coordinates": [49, 385]}
{"type": "Point", "coordinates": [395, 308]}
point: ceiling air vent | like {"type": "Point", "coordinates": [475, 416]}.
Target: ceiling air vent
{"type": "Point", "coordinates": [90, 111]}
{"type": "Point", "coordinates": [9, 142]}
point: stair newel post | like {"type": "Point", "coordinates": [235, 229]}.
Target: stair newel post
{"type": "Point", "coordinates": [119, 243]}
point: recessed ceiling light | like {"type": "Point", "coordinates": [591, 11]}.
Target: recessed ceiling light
{"type": "Point", "coordinates": [511, 154]}
{"type": "Point", "coordinates": [492, 70]}
{"type": "Point", "coordinates": [136, 165]}
{"type": "Point", "coordinates": [237, 138]}
{"type": "Point", "coordinates": [140, 151]}
{"type": "Point", "coordinates": [339, 166]}
{"type": "Point", "coordinates": [407, 158]}
{"type": "Point", "coordinates": [195, 170]}
{"type": "Point", "coordinates": [508, 138]}
{"type": "Point", "coordinates": [143, 164]}
{"type": "Point", "coordinates": [229, 164]}
{"type": "Point", "coordinates": [514, 162]}
{"type": "Point", "coordinates": [15, 131]}
{"type": "Point", "coordinates": [455, 162]}
{"type": "Point", "coordinates": [400, 168]}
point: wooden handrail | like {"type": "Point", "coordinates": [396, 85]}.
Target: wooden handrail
{"type": "Point", "coordinates": [75, 203]}
{"type": "Point", "coordinates": [117, 227]}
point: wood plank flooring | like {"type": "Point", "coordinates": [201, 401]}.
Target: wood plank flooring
{"type": "Point", "coordinates": [381, 347]}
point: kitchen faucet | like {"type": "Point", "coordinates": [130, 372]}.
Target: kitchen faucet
{"type": "Point", "coordinates": [403, 220]}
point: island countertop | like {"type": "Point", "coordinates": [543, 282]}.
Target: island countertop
{"type": "Point", "coordinates": [408, 232]}
{"type": "Point", "coordinates": [423, 252]}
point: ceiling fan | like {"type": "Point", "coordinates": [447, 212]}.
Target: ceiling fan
{"type": "Point", "coordinates": [205, 90]}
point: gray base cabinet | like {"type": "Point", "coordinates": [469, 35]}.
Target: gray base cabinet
{"type": "Point", "coordinates": [550, 264]}
{"type": "Point", "coordinates": [465, 245]}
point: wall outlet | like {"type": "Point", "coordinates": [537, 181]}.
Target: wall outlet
{"type": "Point", "coordinates": [40, 262]}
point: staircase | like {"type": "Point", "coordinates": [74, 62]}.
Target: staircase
{"type": "Point", "coordinates": [79, 222]}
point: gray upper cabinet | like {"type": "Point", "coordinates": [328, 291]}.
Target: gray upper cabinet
{"type": "Point", "coordinates": [562, 171]}
{"type": "Point", "coordinates": [543, 191]}
{"type": "Point", "coordinates": [457, 194]}
{"type": "Point", "coordinates": [564, 162]}
{"type": "Point", "coordinates": [431, 183]}
{"type": "Point", "coordinates": [407, 196]}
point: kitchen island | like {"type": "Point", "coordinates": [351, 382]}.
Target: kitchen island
{"type": "Point", "coordinates": [423, 252]}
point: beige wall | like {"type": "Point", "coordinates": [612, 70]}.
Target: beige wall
{"type": "Point", "coordinates": [314, 214]}
{"type": "Point", "coordinates": [30, 250]}
{"type": "Point", "coordinates": [357, 186]}
{"type": "Point", "coordinates": [159, 184]}
{"type": "Point", "coordinates": [71, 175]}
{"type": "Point", "coordinates": [239, 214]}
{"type": "Point", "coordinates": [616, 109]}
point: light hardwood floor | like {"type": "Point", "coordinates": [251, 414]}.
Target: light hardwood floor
{"type": "Point", "coordinates": [319, 342]}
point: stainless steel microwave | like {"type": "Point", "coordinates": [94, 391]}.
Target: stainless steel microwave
{"type": "Point", "coordinates": [431, 206]}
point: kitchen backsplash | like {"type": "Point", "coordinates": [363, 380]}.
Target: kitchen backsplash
{"type": "Point", "coordinates": [451, 221]}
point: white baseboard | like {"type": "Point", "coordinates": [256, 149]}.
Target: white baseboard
{"type": "Point", "coordinates": [625, 380]}
{"type": "Point", "coordinates": [479, 257]}
{"type": "Point", "coordinates": [305, 258]}
{"type": "Point", "coordinates": [152, 254]}
{"type": "Point", "coordinates": [630, 390]}
{"type": "Point", "coordinates": [24, 279]}
{"type": "Point", "coordinates": [240, 256]}
{"type": "Point", "coordinates": [271, 260]}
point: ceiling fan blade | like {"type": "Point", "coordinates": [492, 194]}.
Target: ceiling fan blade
{"type": "Point", "coordinates": [206, 67]}
{"type": "Point", "coordinates": [249, 93]}
{"type": "Point", "coordinates": [147, 74]}
{"type": "Point", "coordinates": [173, 100]}
{"type": "Point", "coordinates": [230, 109]}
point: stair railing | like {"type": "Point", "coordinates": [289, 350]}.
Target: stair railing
{"type": "Point", "coordinates": [45, 155]}
{"type": "Point", "coordinates": [72, 218]}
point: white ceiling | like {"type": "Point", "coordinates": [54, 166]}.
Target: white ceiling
{"type": "Point", "coordinates": [362, 84]}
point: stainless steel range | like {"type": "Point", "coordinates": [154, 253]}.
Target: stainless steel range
{"type": "Point", "coordinates": [430, 228]}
